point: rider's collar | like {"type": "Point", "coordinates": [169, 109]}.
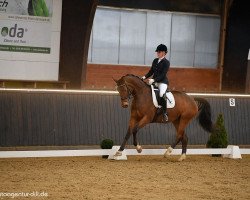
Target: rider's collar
{"type": "Point", "coordinates": [159, 60]}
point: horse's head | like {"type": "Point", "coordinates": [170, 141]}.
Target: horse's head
{"type": "Point", "coordinates": [124, 92]}
{"type": "Point", "coordinates": [128, 86]}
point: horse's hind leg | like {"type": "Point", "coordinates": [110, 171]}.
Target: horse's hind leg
{"type": "Point", "coordinates": [180, 126]}
{"type": "Point", "coordinates": [184, 142]}
{"type": "Point", "coordinates": [177, 139]}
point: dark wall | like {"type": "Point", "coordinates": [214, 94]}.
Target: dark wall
{"type": "Point", "coordinates": [197, 6]}
{"type": "Point", "coordinates": [37, 118]}
{"type": "Point", "coordinates": [77, 20]}
{"type": "Point", "coordinates": [236, 47]}
{"type": "Point", "coordinates": [248, 78]}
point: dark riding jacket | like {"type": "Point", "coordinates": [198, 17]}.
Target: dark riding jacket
{"type": "Point", "coordinates": [159, 71]}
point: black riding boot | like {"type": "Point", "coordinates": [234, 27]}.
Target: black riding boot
{"type": "Point", "coordinates": [164, 108]}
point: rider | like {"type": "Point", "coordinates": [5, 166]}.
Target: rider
{"type": "Point", "coordinates": [159, 71]}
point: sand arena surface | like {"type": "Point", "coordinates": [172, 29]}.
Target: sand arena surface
{"type": "Point", "coordinates": [140, 177]}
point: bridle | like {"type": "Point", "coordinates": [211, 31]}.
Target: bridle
{"type": "Point", "coordinates": [129, 91]}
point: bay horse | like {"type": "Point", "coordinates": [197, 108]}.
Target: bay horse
{"type": "Point", "coordinates": [144, 112]}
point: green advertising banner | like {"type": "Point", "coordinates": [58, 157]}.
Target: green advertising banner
{"type": "Point", "coordinates": [25, 26]}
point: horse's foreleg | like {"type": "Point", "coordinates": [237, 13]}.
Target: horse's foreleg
{"type": "Point", "coordinates": [135, 142]}
{"type": "Point", "coordinates": [119, 152]}
{"type": "Point", "coordinates": [133, 128]}
{"type": "Point", "coordinates": [129, 132]}
{"type": "Point", "coordinates": [145, 120]}
{"type": "Point", "coordinates": [184, 142]}
{"type": "Point", "coordinates": [125, 139]}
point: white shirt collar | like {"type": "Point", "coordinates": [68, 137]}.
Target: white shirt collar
{"type": "Point", "coordinates": [159, 60]}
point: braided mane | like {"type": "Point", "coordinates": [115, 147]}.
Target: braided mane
{"type": "Point", "coordinates": [136, 77]}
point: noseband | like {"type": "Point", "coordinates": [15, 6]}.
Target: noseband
{"type": "Point", "coordinates": [129, 92]}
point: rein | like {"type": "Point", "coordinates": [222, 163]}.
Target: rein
{"type": "Point", "coordinates": [129, 92]}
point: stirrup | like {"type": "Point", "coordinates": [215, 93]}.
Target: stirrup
{"type": "Point", "coordinates": [165, 117]}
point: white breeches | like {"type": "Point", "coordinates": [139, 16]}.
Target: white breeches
{"type": "Point", "coordinates": [162, 87]}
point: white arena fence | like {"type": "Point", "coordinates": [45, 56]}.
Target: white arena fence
{"type": "Point", "coordinates": [231, 151]}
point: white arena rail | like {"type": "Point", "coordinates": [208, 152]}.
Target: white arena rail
{"type": "Point", "coordinates": [230, 152]}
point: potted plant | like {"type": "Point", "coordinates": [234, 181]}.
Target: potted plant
{"type": "Point", "coordinates": [218, 137]}
{"type": "Point", "coordinates": [106, 144]}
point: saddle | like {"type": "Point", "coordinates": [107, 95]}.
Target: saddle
{"type": "Point", "coordinates": [156, 97]}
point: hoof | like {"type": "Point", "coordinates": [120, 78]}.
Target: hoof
{"type": "Point", "coordinates": [118, 153]}
{"type": "Point", "coordinates": [139, 148]}
{"type": "Point", "coordinates": [119, 156]}
{"type": "Point", "coordinates": [183, 157]}
{"type": "Point", "coordinates": [168, 152]}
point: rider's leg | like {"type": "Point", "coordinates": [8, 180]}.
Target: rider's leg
{"type": "Point", "coordinates": [164, 109]}
{"type": "Point", "coordinates": [163, 87]}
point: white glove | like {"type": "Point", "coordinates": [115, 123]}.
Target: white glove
{"type": "Point", "coordinates": [143, 78]}
{"type": "Point", "coordinates": [150, 81]}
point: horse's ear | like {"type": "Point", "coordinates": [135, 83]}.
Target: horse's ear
{"type": "Point", "coordinates": [115, 80]}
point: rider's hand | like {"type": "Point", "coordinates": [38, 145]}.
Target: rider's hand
{"type": "Point", "coordinates": [143, 78]}
{"type": "Point", "coordinates": [151, 81]}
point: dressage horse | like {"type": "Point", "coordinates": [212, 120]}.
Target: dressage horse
{"type": "Point", "coordinates": [144, 112]}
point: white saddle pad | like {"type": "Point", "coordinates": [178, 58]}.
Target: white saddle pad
{"type": "Point", "coordinates": [170, 99]}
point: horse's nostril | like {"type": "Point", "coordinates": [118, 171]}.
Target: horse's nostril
{"type": "Point", "coordinates": [124, 104]}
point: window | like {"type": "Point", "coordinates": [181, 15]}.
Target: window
{"type": "Point", "coordinates": [130, 37]}
{"type": "Point", "coordinates": [182, 40]}
{"type": "Point", "coordinates": [105, 33]}
{"type": "Point", "coordinates": [158, 31]}
{"type": "Point", "coordinates": [207, 42]}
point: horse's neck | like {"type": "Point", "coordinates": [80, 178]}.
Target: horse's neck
{"type": "Point", "coordinates": [138, 86]}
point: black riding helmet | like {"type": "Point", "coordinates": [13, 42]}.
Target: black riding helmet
{"type": "Point", "coordinates": [161, 47]}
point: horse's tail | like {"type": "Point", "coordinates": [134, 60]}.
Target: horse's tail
{"type": "Point", "coordinates": [205, 114]}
